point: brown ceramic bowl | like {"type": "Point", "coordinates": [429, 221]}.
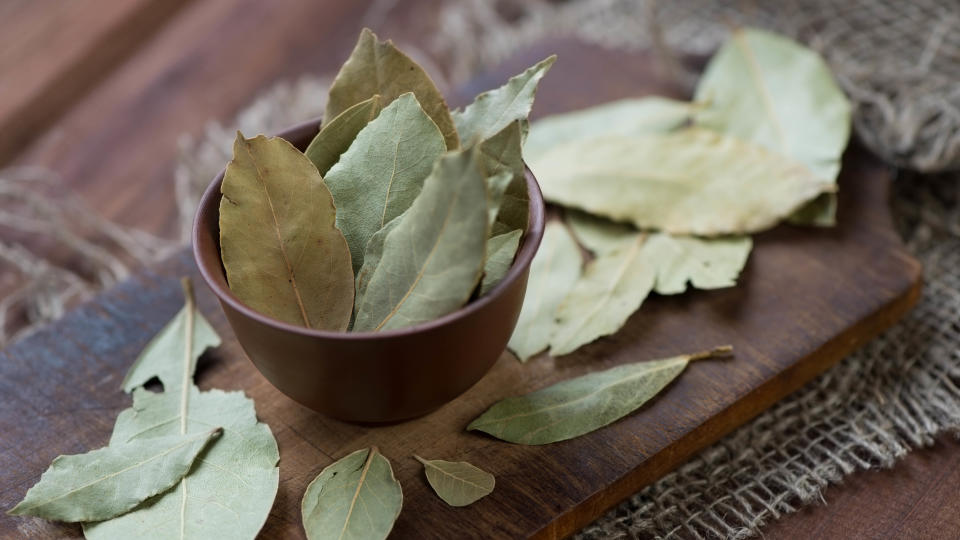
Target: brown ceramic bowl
{"type": "Point", "coordinates": [371, 376]}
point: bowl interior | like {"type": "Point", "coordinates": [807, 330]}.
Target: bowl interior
{"type": "Point", "coordinates": [206, 249]}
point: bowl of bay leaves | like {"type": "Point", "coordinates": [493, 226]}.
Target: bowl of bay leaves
{"type": "Point", "coordinates": [373, 264]}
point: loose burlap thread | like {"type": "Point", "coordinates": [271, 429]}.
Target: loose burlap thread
{"type": "Point", "coordinates": [897, 61]}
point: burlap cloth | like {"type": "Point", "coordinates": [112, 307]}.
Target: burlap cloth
{"type": "Point", "coordinates": [898, 61]}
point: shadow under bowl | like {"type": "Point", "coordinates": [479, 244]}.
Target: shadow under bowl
{"type": "Point", "coordinates": [371, 376]}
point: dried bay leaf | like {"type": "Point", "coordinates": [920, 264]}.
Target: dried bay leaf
{"type": "Point", "coordinates": [501, 161]}
{"type": "Point", "coordinates": [378, 68]}
{"type": "Point", "coordinates": [356, 497]}
{"type": "Point", "coordinates": [554, 270]}
{"type": "Point", "coordinates": [230, 488]}
{"type": "Point", "coordinates": [513, 211]}
{"type": "Point", "coordinates": [611, 289]}
{"type": "Point", "coordinates": [493, 110]}
{"type": "Point", "coordinates": [500, 252]}
{"type": "Point", "coordinates": [583, 404]}
{"type": "Point", "coordinates": [635, 116]}
{"type": "Point", "coordinates": [771, 91]}
{"type": "Point", "coordinates": [383, 171]}
{"type": "Point", "coordinates": [371, 258]}
{"type": "Point", "coordinates": [335, 138]}
{"type": "Point", "coordinates": [706, 263]}
{"type": "Point", "coordinates": [281, 249]}
{"type": "Point", "coordinates": [154, 360]}
{"type": "Point", "coordinates": [433, 259]}
{"type": "Point", "coordinates": [691, 181]}
{"type": "Point", "coordinates": [228, 493]}
{"type": "Point", "coordinates": [458, 483]}
{"type": "Point", "coordinates": [107, 482]}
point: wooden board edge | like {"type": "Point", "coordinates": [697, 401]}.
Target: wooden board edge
{"type": "Point", "coordinates": [738, 414]}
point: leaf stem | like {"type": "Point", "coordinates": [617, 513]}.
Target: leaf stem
{"type": "Point", "coordinates": [723, 351]}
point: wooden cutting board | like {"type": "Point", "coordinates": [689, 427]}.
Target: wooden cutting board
{"type": "Point", "coordinates": [807, 298]}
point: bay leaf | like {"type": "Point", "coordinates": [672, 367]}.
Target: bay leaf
{"type": "Point", "coordinates": [170, 343]}
{"type": "Point", "coordinates": [356, 497]}
{"type": "Point", "coordinates": [458, 483]}
{"type": "Point", "coordinates": [612, 287]}
{"type": "Point", "coordinates": [776, 93]}
{"type": "Point", "coordinates": [230, 489]}
{"type": "Point", "coordinates": [433, 259]}
{"type": "Point", "coordinates": [335, 138]}
{"type": "Point", "coordinates": [513, 211]}
{"type": "Point", "coordinates": [705, 263]}
{"type": "Point", "coordinates": [371, 258]}
{"type": "Point", "coordinates": [501, 162]}
{"type": "Point", "coordinates": [583, 404]}
{"type": "Point", "coordinates": [500, 252]}
{"type": "Point", "coordinates": [383, 171]}
{"type": "Point", "coordinates": [281, 249]}
{"type": "Point", "coordinates": [691, 181]}
{"type": "Point", "coordinates": [633, 116]}
{"type": "Point", "coordinates": [107, 482]}
{"type": "Point", "coordinates": [493, 110]}
{"type": "Point", "coordinates": [554, 270]}
{"type": "Point", "coordinates": [378, 68]}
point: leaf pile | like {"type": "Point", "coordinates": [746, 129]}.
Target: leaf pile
{"type": "Point", "coordinates": [662, 194]}
{"type": "Point", "coordinates": [181, 463]}
{"type": "Point", "coordinates": [399, 211]}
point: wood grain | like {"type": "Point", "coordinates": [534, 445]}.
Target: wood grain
{"type": "Point", "coordinates": [52, 53]}
{"type": "Point", "coordinates": [807, 298]}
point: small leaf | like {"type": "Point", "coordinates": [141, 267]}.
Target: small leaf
{"type": "Point", "coordinates": [107, 482]}
{"type": "Point", "coordinates": [356, 497]}
{"type": "Point", "coordinates": [377, 67]}
{"type": "Point", "coordinates": [554, 270]}
{"type": "Point", "coordinates": [773, 92]}
{"type": "Point", "coordinates": [458, 483]}
{"type": "Point", "coordinates": [514, 210]}
{"type": "Point", "coordinates": [162, 357]}
{"type": "Point", "coordinates": [612, 288]}
{"type": "Point", "coordinates": [371, 258]}
{"type": "Point", "coordinates": [281, 249]}
{"type": "Point", "coordinates": [500, 252]}
{"type": "Point", "coordinates": [501, 163]}
{"type": "Point", "coordinates": [635, 116]}
{"type": "Point", "coordinates": [494, 109]}
{"type": "Point", "coordinates": [706, 263]}
{"type": "Point", "coordinates": [382, 172]}
{"type": "Point", "coordinates": [578, 406]}
{"type": "Point", "coordinates": [335, 138]}
{"type": "Point", "coordinates": [433, 259]}
{"type": "Point", "coordinates": [229, 491]}
{"type": "Point", "coordinates": [691, 181]}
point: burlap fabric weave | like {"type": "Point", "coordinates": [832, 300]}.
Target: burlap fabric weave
{"type": "Point", "coordinates": [898, 61]}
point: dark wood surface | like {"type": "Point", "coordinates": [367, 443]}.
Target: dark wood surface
{"type": "Point", "coordinates": [807, 298]}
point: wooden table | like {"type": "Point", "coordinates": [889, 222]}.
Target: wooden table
{"type": "Point", "coordinates": [100, 95]}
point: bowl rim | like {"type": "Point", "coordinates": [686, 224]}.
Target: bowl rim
{"type": "Point", "coordinates": [211, 196]}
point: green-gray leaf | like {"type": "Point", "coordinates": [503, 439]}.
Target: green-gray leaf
{"type": "Point", "coordinates": [335, 138]}
{"type": "Point", "coordinates": [706, 263]}
{"type": "Point", "coordinates": [635, 116]}
{"type": "Point", "coordinates": [771, 91]}
{"type": "Point", "coordinates": [356, 497]}
{"type": "Point", "coordinates": [382, 172]}
{"type": "Point", "coordinates": [554, 270]}
{"type": "Point", "coordinates": [433, 259]}
{"type": "Point", "coordinates": [514, 208]}
{"type": "Point", "coordinates": [281, 249]}
{"type": "Point", "coordinates": [691, 181]}
{"type": "Point", "coordinates": [501, 161]}
{"type": "Point", "coordinates": [377, 67]}
{"type": "Point", "coordinates": [107, 482]}
{"type": "Point", "coordinates": [458, 483]}
{"type": "Point", "coordinates": [229, 491]}
{"type": "Point", "coordinates": [500, 252]}
{"type": "Point", "coordinates": [494, 109]}
{"type": "Point", "coordinates": [371, 257]}
{"type": "Point", "coordinates": [612, 288]}
{"type": "Point", "coordinates": [578, 406]}
{"type": "Point", "coordinates": [161, 358]}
